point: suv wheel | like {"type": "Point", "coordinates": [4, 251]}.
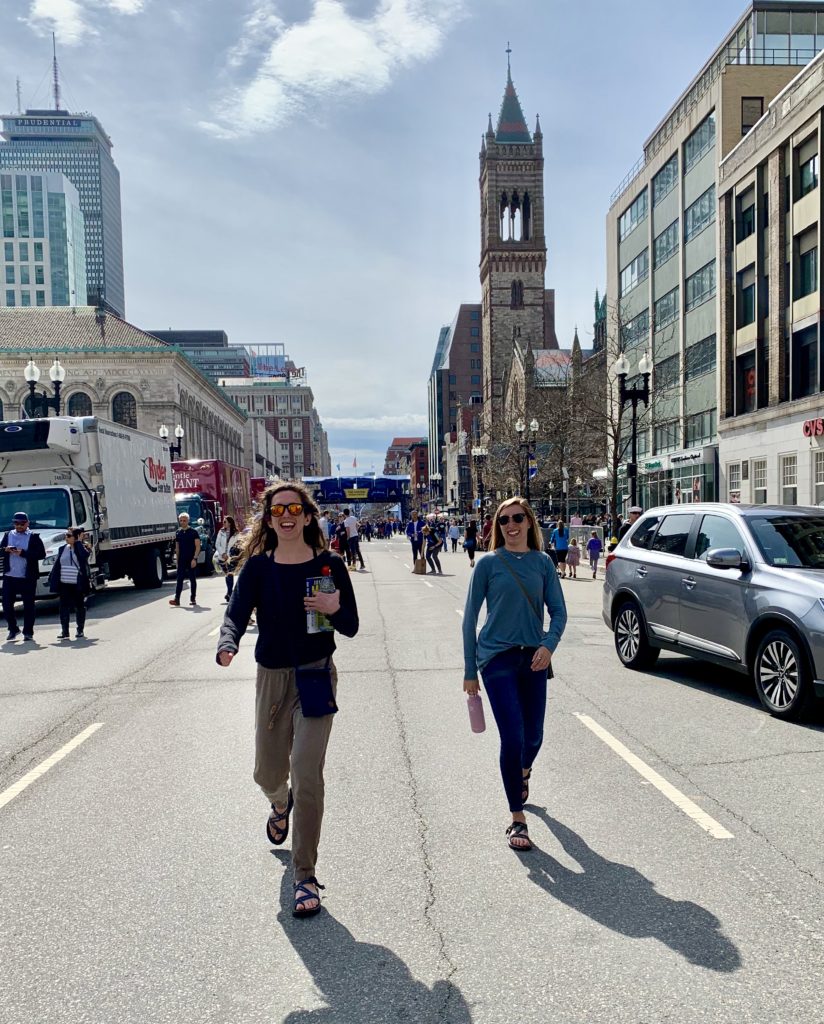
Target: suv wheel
{"type": "Point", "coordinates": [782, 678]}
{"type": "Point", "coordinates": [631, 641]}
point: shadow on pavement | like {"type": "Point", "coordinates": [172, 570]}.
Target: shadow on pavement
{"type": "Point", "coordinates": [619, 897]}
{"type": "Point", "coordinates": [359, 981]}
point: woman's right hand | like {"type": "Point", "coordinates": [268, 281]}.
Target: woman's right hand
{"type": "Point", "coordinates": [471, 686]}
{"type": "Point", "coordinates": [225, 658]}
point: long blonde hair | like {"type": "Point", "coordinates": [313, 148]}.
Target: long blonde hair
{"type": "Point", "coordinates": [263, 538]}
{"type": "Point", "coordinates": [534, 538]}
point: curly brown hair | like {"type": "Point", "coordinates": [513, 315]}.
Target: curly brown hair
{"type": "Point", "coordinates": [263, 538]}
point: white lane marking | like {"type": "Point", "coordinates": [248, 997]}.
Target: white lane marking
{"type": "Point", "coordinates": [405, 565]}
{"type": "Point", "coordinates": [682, 802]}
{"type": "Point", "coordinates": [458, 610]}
{"type": "Point", "coordinates": [428, 584]}
{"type": "Point", "coordinates": [9, 794]}
{"type": "Point", "coordinates": [214, 631]}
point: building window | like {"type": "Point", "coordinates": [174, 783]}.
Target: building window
{"type": "Point", "coordinates": [745, 384]}
{"type": "Point", "coordinates": [734, 481]}
{"type": "Point", "coordinates": [38, 252]}
{"type": "Point", "coordinates": [701, 140]}
{"type": "Point", "coordinates": [24, 252]}
{"type": "Point", "coordinates": [667, 373]}
{"type": "Point", "coordinates": [475, 332]}
{"type": "Point", "coordinates": [635, 272]}
{"type": "Point", "coordinates": [632, 216]}
{"type": "Point", "coordinates": [38, 276]}
{"type": "Point", "coordinates": [789, 479]}
{"type": "Point", "coordinates": [80, 404]}
{"type": "Point", "coordinates": [745, 215]}
{"type": "Point", "coordinates": [475, 379]}
{"type": "Point", "coordinates": [700, 214]}
{"type": "Point", "coordinates": [10, 274]}
{"type": "Point", "coordinates": [700, 358]}
{"type": "Point", "coordinates": [124, 409]}
{"type": "Point", "coordinates": [475, 314]}
{"type": "Point", "coordinates": [805, 362]}
{"type": "Point", "coordinates": [8, 251]}
{"type": "Point", "coordinates": [25, 275]}
{"type": "Point", "coordinates": [665, 180]}
{"type": "Point", "coordinates": [40, 298]}
{"type": "Point", "coordinates": [635, 331]}
{"type": "Point", "coordinates": [700, 286]}
{"type": "Point", "coordinates": [474, 346]}
{"type": "Point", "coordinates": [806, 278]}
{"type": "Point", "coordinates": [752, 110]}
{"type": "Point", "coordinates": [666, 437]}
{"type": "Point", "coordinates": [701, 428]}
{"type": "Point", "coordinates": [10, 300]}
{"type": "Point", "coordinates": [665, 245]}
{"type": "Point", "coordinates": [818, 477]}
{"type": "Point", "coordinates": [759, 481]}
{"type": "Point", "coordinates": [453, 379]}
{"type": "Point", "coordinates": [25, 298]}
{"type": "Point", "coordinates": [666, 309]}
{"type": "Point", "coordinates": [807, 176]}
{"type": "Point", "coordinates": [745, 291]}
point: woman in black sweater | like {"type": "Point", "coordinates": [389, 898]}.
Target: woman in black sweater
{"type": "Point", "coordinates": [284, 563]}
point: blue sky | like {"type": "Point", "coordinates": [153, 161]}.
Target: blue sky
{"type": "Point", "coordinates": [305, 171]}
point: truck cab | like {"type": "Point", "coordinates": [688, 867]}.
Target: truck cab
{"type": "Point", "coordinates": [204, 515]}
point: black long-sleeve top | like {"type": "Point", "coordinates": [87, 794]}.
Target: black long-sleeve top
{"type": "Point", "coordinates": [276, 591]}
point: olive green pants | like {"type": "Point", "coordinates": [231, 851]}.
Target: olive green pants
{"type": "Point", "coordinates": [291, 750]}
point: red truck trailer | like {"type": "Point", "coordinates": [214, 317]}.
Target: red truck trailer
{"type": "Point", "coordinates": [210, 489]}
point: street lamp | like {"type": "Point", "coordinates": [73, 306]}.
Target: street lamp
{"type": "Point", "coordinates": [57, 375]}
{"type": "Point", "coordinates": [525, 443]}
{"type": "Point", "coordinates": [634, 395]}
{"type": "Point", "coordinates": [421, 489]}
{"type": "Point", "coordinates": [175, 450]}
{"type": "Point", "coordinates": [479, 454]}
{"type": "Point", "coordinates": [435, 478]}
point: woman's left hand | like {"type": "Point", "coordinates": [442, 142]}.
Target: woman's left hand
{"type": "Point", "coordinates": [326, 604]}
{"type": "Point", "coordinates": [541, 659]}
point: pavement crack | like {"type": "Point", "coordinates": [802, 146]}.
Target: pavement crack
{"type": "Point", "coordinates": [422, 829]}
{"type": "Point", "coordinates": [758, 757]}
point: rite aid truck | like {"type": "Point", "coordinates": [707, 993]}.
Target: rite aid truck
{"type": "Point", "coordinates": [85, 472]}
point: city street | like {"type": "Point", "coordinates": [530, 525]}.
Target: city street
{"type": "Point", "coordinates": [677, 872]}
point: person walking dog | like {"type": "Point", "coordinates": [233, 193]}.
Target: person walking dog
{"type": "Point", "coordinates": [69, 579]}
{"type": "Point", "coordinates": [513, 652]}
{"type": "Point", "coordinates": [303, 595]}
{"type": "Point", "coordinates": [22, 551]}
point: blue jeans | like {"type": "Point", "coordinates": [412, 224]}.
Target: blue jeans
{"type": "Point", "coordinates": [517, 696]}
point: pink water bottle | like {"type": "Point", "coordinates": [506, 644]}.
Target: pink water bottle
{"type": "Point", "coordinates": [475, 706]}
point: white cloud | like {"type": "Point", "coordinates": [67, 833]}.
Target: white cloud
{"type": "Point", "coordinates": [397, 425]}
{"type": "Point", "coordinates": [73, 20]}
{"type": "Point", "coordinates": [332, 54]}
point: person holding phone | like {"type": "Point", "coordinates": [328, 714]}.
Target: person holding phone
{"type": "Point", "coordinates": [513, 652]}
{"type": "Point", "coordinates": [22, 552]}
{"type": "Point", "coordinates": [284, 556]}
{"type": "Point", "coordinates": [69, 579]}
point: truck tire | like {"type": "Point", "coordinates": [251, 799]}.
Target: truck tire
{"type": "Point", "coordinates": [149, 573]}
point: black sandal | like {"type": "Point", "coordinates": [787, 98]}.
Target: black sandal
{"type": "Point", "coordinates": [301, 887]}
{"type": "Point", "coordinates": [281, 834]}
{"type": "Point", "coordinates": [525, 786]}
{"type": "Point", "coordinates": [518, 830]}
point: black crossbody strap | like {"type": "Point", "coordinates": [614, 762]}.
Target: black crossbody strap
{"type": "Point", "coordinates": [524, 591]}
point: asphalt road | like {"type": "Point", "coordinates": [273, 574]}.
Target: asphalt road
{"type": "Point", "coordinates": [137, 885]}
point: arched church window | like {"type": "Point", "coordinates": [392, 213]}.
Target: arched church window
{"type": "Point", "coordinates": [527, 218]}
{"type": "Point", "coordinates": [80, 404]}
{"type": "Point", "coordinates": [504, 217]}
{"type": "Point", "coordinates": [124, 409]}
{"type": "Point", "coordinates": [516, 292]}
{"type": "Point", "coordinates": [515, 220]}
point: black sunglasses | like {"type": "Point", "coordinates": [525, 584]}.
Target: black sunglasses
{"type": "Point", "coordinates": [516, 517]}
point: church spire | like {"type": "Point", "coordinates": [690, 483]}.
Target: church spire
{"type": "Point", "coordinates": [511, 121]}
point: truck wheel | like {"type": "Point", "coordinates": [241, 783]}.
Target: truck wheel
{"type": "Point", "coordinates": [208, 566]}
{"type": "Point", "coordinates": [149, 573]}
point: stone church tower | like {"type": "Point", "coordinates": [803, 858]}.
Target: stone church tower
{"type": "Point", "coordinates": [517, 309]}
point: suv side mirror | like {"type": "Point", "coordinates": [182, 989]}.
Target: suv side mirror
{"type": "Point", "coordinates": [727, 558]}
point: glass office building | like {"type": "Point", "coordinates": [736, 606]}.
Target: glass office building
{"type": "Point", "coordinates": [76, 145]}
{"type": "Point", "coordinates": [43, 254]}
{"type": "Point", "coordinates": [663, 244]}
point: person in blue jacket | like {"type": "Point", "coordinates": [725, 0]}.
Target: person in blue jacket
{"type": "Point", "coordinates": [513, 652]}
{"type": "Point", "coordinates": [414, 531]}
{"type": "Point", "coordinates": [559, 541]}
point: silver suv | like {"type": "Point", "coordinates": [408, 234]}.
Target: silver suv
{"type": "Point", "coordinates": [738, 585]}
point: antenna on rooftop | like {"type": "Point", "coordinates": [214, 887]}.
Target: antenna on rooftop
{"type": "Point", "coordinates": [19, 97]}
{"type": "Point", "coordinates": [56, 74]}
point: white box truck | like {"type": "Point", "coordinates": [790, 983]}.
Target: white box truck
{"type": "Point", "coordinates": [113, 481]}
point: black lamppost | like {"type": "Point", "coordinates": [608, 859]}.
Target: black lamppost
{"type": "Point", "coordinates": [634, 395]}
{"type": "Point", "coordinates": [479, 454]}
{"type": "Point", "coordinates": [42, 401]}
{"type": "Point", "coordinates": [525, 443]}
{"type": "Point", "coordinates": [435, 486]}
{"type": "Point", "coordinates": [421, 489]}
{"type": "Point", "coordinates": [175, 450]}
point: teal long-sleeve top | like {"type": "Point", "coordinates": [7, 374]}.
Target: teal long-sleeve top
{"type": "Point", "coordinates": [510, 622]}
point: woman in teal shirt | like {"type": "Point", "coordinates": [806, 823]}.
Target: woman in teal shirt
{"type": "Point", "coordinates": [517, 580]}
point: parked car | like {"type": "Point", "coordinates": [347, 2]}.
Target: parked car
{"type": "Point", "coordinates": [741, 586]}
